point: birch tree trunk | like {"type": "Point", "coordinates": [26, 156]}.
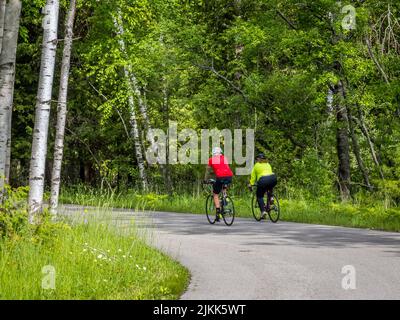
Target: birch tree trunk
{"type": "Point", "coordinates": [8, 152]}
{"type": "Point", "coordinates": [131, 101]}
{"type": "Point", "coordinates": [2, 18]}
{"type": "Point", "coordinates": [43, 104]}
{"type": "Point", "coordinates": [136, 137]}
{"type": "Point", "coordinates": [7, 78]}
{"type": "Point", "coordinates": [62, 109]}
{"type": "Point", "coordinates": [135, 86]}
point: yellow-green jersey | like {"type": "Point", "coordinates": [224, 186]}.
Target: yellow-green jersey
{"type": "Point", "coordinates": [260, 170]}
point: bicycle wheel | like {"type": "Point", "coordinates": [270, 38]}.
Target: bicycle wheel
{"type": "Point", "coordinates": [275, 210]}
{"type": "Point", "coordinates": [229, 211]}
{"type": "Point", "coordinates": [210, 210]}
{"type": "Point", "coordinates": [255, 208]}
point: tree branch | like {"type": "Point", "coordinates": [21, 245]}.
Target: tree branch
{"type": "Point", "coordinates": [212, 69]}
{"type": "Point", "coordinates": [286, 20]}
{"type": "Point", "coordinates": [371, 54]}
{"type": "Point", "coordinates": [116, 109]}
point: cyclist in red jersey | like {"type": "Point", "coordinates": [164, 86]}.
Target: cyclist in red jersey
{"type": "Point", "coordinates": [223, 173]}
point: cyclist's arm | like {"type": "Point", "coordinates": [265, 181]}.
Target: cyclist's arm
{"type": "Point", "coordinates": [253, 177]}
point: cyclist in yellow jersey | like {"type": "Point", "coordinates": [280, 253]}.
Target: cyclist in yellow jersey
{"type": "Point", "coordinates": [263, 177]}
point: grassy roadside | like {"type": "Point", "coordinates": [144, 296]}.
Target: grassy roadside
{"type": "Point", "coordinates": [90, 261]}
{"type": "Point", "coordinates": [371, 216]}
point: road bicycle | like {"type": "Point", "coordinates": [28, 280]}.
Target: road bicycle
{"type": "Point", "coordinates": [226, 204]}
{"type": "Point", "coordinates": [272, 206]}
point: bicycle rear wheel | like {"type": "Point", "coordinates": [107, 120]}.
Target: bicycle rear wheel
{"type": "Point", "coordinates": [229, 211]}
{"type": "Point", "coordinates": [210, 210]}
{"type": "Point", "coordinates": [275, 210]}
{"type": "Point", "coordinates": [255, 208]}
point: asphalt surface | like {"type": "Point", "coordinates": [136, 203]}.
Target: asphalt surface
{"type": "Point", "coordinates": [262, 260]}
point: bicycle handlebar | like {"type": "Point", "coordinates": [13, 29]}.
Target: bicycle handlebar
{"type": "Point", "coordinates": [209, 181]}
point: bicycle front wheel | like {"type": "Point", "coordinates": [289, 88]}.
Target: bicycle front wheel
{"type": "Point", "coordinates": [229, 211]}
{"type": "Point", "coordinates": [210, 210]}
{"type": "Point", "coordinates": [255, 208]}
{"type": "Point", "coordinates": [274, 210]}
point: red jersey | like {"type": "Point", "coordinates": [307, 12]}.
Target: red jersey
{"type": "Point", "coordinates": [220, 166]}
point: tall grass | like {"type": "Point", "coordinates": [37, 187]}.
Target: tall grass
{"type": "Point", "coordinates": [91, 260]}
{"type": "Point", "coordinates": [361, 213]}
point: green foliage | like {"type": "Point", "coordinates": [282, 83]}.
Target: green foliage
{"type": "Point", "coordinates": [13, 213]}
{"type": "Point", "coordinates": [312, 176]}
{"type": "Point", "coordinates": [14, 224]}
{"type": "Point", "coordinates": [266, 65]}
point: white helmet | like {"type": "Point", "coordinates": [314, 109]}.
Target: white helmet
{"type": "Point", "coordinates": [216, 151]}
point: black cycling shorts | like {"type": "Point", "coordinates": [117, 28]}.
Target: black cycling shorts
{"type": "Point", "coordinates": [219, 183]}
{"type": "Point", "coordinates": [266, 183]}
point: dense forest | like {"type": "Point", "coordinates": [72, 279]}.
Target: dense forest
{"type": "Point", "coordinates": [318, 81]}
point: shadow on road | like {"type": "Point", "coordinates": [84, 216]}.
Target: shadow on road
{"type": "Point", "coordinates": [263, 233]}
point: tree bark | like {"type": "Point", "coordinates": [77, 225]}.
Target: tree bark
{"type": "Point", "coordinates": [342, 143]}
{"type": "Point", "coordinates": [7, 78]}
{"type": "Point", "coordinates": [131, 101]}
{"type": "Point", "coordinates": [8, 152]}
{"type": "Point", "coordinates": [62, 109]}
{"type": "Point", "coordinates": [43, 105]}
{"type": "Point", "coordinates": [136, 138]}
{"type": "Point", "coordinates": [2, 22]}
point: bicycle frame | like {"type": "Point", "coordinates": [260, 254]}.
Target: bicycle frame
{"type": "Point", "coordinates": [269, 195]}
{"type": "Point", "coordinates": [226, 205]}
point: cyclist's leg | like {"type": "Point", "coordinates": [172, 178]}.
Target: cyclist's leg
{"type": "Point", "coordinates": [217, 187]}
{"type": "Point", "coordinates": [271, 182]}
{"type": "Point", "coordinates": [261, 189]}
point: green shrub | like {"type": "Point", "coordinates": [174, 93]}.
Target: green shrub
{"type": "Point", "coordinates": [14, 213]}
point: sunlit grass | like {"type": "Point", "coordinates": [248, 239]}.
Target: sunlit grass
{"type": "Point", "coordinates": [92, 259]}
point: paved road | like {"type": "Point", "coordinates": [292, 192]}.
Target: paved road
{"type": "Point", "coordinates": [253, 260]}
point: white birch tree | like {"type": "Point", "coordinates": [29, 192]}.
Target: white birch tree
{"type": "Point", "coordinates": [62, 108]}
{"type": "Point", "coordinates": [12, 12]}
{"type": "Point", "coordinates": [40, 132]}
{"type": "Point", "coordinates": [131, 100]}
{"type": "Point", "coordinates": [2, 17]}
